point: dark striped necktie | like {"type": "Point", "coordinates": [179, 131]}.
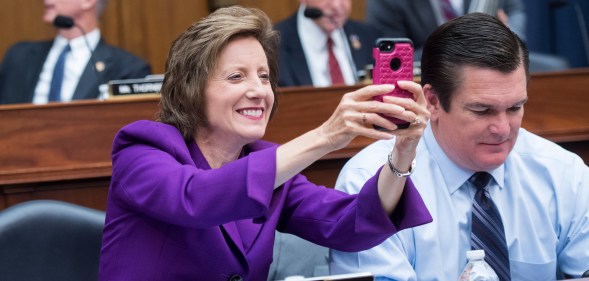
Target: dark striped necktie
{"type": "Point", "coordinates": [487, 228]}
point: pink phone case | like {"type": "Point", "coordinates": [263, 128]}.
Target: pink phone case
{"type": "Point", "coordinates": [393, 61]}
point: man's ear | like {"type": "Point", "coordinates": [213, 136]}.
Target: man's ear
{"type": "Point", "coordinates": [89, 4]}
{"type": "Point", "coordinates": [433, 103]}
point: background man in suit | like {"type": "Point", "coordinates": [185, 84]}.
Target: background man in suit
{"type": "Point", "coordinates": [27, 71]}
{"type": "Point", "coordinates": [304, 49]}
{"type": "Point", "coordinates": [416, 19]}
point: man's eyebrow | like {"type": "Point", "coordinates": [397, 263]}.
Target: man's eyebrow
{"type": "Point", "coordinates": [485, 105]}
{"type": "Point", "coordinates": [521, 102]}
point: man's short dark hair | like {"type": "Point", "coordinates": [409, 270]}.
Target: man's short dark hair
{"type": "Point", "coordinates": [476, 39]}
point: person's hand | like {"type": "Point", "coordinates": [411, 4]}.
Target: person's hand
{"type": "Point", "coordinates": [357, 113]}
{"type": "Point", "coordinates": [408, 139]}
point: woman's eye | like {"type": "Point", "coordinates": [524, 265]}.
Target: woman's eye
{"type": "Point", "coordinates": [264, 76]}
{"type": "Point", "coordinates": [235, 76]}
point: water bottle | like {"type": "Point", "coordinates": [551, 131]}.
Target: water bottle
{"type": "Point", "coordinates": [477, 269]}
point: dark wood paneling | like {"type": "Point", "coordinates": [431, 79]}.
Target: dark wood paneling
{"type": "Point", "coordinates": [558, 106]}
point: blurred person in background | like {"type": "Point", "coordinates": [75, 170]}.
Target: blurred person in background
{"type": "Point", "coordinates": [320, 46]}
{"type": "Point", "coordinates": [65, 69]}
{"type": "Point", "coordinates": [417, 19]}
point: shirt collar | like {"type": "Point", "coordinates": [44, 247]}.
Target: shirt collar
{"type": "Point", "coordinates": [79, 43]}
{"type": "Point", "coordinates": [312, 31]}
{"type": "Point", "coordinates": [453, 175]}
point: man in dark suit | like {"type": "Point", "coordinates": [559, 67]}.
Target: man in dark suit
{"type": "Point", "coordinates": [416, 19]}
{"type": "Point", "coordinates": [304, 48]}
{"type": "Point", "coordinates": [27, 71]}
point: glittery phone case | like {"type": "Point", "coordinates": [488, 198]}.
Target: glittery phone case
{"type": "Point", "coordinates": [393, 61]}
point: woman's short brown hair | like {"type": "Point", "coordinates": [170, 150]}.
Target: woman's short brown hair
{"type": "Point", "coordinates": [194, 56]}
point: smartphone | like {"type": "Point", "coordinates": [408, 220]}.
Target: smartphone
{"type": "Point", "coordinates": [393, 61]}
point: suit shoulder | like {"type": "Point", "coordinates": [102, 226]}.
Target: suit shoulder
{"type": "Point", "coordinates": [362, 28]}
{"type": "Point", "coordinates": [121, 53]}
{"type": "Point", "coordinates": [287, 26]}
{"type": "Point", "coordinates": [532, 146]}
{"type": "Point", "coordinates": [127, 65]}
{"type": "Point", "coordinates": [25, 47]}
{"type": "Point", "coordinates": [287, 29]}
{"type": "Point", "coordinates": [152, 133]}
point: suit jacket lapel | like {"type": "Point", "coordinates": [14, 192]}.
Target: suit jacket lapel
{"type": "Point", "coordinates": [353, 39]}
{"type": "Point", "coordinates": [36, 60]}
{"type": "Point", "coordinates": [297, 60]}
{"type": "Point", "coordinates": [90, 80]}
{"type": "Point", "coordinates": [249, 230]}
{"type": "Point", "coordinates": [230, 229]}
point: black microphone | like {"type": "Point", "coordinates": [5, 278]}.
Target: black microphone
{"type": "Point", "coordinates": [63, 22]}
{"type": "Point", "coordinates": [66, 22]}
{"type": "Point", "coordinates": [313, 13]}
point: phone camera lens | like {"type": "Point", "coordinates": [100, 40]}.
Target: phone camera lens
{"type": "Point", "coordinates": [395, 64]}
{"type": "Point", "coordinates": [386, 46]}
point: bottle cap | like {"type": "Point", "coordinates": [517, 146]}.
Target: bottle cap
{"type": "Point", "coordinates": [294, 278]}
{"type": "Point", "coordinates": [475, 254]}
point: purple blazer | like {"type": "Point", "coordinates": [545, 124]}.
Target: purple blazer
{"type": "Point", "coordinates": [171, 217]}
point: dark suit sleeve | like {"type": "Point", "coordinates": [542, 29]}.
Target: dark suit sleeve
{"type": "Point", "coordinates": [20, 70]}
{"type": "Point", "coordinates": [10, 59]}
{"type": "Point", "coordinates": [285, 78]}
{"type": "Point", "coordinates": [131, 66]}
{"type": "Point", "coordinates": [293, 68]}
{"type": "Point", "coordinates": [2, 79]}
{"type": "Point", "coordinates": [388, 17]}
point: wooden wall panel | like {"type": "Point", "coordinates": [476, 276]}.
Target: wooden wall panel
{"type": "Point", "coordinates": [358, 9]}
{"type": "Point", "coordinates": [275, 12]}
{"type": "Point", "coordinates": [21, 20]}
{"type": "Point", "coordinates": [150, 26]}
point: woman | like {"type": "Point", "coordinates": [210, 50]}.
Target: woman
{"type": "Point", "coordinates": [198, 196]}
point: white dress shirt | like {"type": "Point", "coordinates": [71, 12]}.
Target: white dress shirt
{"type": "Point", "coordinates": [75, 64]}
{"type": "Point", "coordinates": [314, 41]}
{"type": "Point", "coordinates": [541, 191]}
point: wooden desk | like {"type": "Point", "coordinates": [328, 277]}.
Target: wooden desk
{"type": "Point", "coordinates": [62, 151]}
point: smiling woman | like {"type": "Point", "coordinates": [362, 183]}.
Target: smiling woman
{"type": "Point", "coordinates": [198, 196]}
{"type": "Point", "coordinates": [239, 100]}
